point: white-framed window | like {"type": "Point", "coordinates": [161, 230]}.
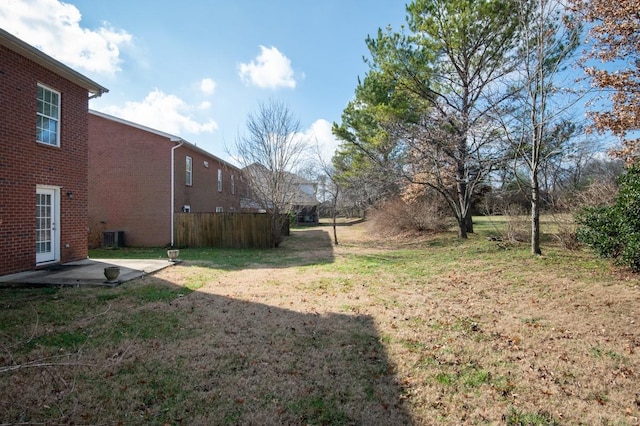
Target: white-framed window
{"type": "Point", "coordinates": [219, 180]}
{"type": "Point", "coordinates": [48, 116]}
{"type": "Point", "coordinates": [219, 210]}
{"type": "Point", "coordinates": [233, 184]}
{"type": "Point", "coordinates": [186, 208]}
{"type": "Point", "coordinates": [188, 178]}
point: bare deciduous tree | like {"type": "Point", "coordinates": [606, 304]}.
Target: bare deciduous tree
{"type": "Point", "coordinates": [332, 188]}
{"type": "Point", "coordinates": [271, 153]}
{"type": "Point", "coordinates": [535, 124]}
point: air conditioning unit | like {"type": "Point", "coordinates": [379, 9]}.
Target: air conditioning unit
{"type": "Point", "coordinates": [113, 239]}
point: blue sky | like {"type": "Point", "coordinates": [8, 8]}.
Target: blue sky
{"type": "Point", "coordinates": [197, 68]}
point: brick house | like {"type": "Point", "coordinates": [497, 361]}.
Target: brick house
{"type": "Point", "coordinates": [43, 158]}
{"type": "Point", "coordinates": [139, 177]}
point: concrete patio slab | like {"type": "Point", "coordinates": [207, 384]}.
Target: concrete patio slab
{"type": "Point", "coordinates": [85, 272]}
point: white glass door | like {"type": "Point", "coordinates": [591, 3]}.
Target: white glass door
{"type": "Point", "coordinates": [45, 225]}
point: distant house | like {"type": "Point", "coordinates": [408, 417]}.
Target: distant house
{"type": "Point", "coordinates": [43, 158]}
{"type": "Point", "coordinates": [305, 202]}
{"type": "Point", "coordinates": [297, 194]}
{"type": "Point", "coordinates": [140, 177]}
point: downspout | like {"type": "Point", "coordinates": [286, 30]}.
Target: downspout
{"type": "Point", "coordinates": [173, 184]}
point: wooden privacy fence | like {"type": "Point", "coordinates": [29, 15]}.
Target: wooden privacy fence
{"type": "Point", "coordinates": [225, 230]}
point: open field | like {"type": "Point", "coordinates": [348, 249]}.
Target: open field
{"type": "Point", "coordinates": [373, 331]}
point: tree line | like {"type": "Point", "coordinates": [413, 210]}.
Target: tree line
{"type": "Point", "coordinates": [470, 98]}
{"type": "Point", "coordinates": [476, 105]}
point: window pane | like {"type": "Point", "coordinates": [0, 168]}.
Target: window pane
{"type": "Point", "coordinates": [188, 167]}
{"type": "Point", "coordinates": [48, 112]}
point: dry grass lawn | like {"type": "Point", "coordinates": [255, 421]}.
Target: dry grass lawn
{"type": "Point", "coordinates": [370, 332]}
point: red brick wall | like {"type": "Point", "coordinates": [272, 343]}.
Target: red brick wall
{"type": "Point", "coordinates": [24, 163]}
{"type": "Point", "coordinates": [130, 183]}
{"type": "Point", "coordinates": [203, 195]}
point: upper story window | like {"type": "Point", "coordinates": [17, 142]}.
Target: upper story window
{"type": "Point", "coordinates": [219, 180]}
{"type": "Point", "coordinates": [233, 184]}
{"type": "Point", "coordinates": [189, 171]}
{"type": "Point", "coordinates": [48, 116]}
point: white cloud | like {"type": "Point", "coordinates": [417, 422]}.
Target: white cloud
{"type": "Point", "coordinates": [270, 70]}
{"type": "Point", "coordinates": [208, 86]}
{"type": "Point", "coordinates": [320, 133]}
{"type": "Point", "coordinates": [163, 112]}
{"type": "Point", "coordinates": [55, 28]}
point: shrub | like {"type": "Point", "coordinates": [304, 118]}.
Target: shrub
{"type": "Point", "coordinates": [397, 217]}
{"type": "Point", "coordinates": [614, 231]}
{"type": "Point", "coordinates": [567, 236]}
{"type": "Point", "coordinates": [518, 224]}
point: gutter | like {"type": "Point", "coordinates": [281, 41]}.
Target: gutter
{"type": "Point", "coordinates": [173, 185]}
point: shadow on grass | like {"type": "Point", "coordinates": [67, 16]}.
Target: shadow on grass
{"type": "Point", "coordinates": [153, 352]}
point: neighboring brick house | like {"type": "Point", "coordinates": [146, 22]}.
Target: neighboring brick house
{"type": "Point", "coordinates": [139, 177]}
{"type": "Point", "coordinates": [43, 158]}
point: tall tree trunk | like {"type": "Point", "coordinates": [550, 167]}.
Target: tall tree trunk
{"type": "Point", "coordinates": [277, 228]}
{"type": "Point", "coordinates": [461, 218]}
{"type": "Point", "coordinates": [462, 228]}
{"type": "Point", "coordinates": [468, 221]}
{"type": "Point", "coordinates": [335, 231]}
{"type": "Point", "coordinates": [535, 216]}
{"type": "Point", "coordinates": [461, 188]}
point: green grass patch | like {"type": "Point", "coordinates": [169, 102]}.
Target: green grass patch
{"type": "Point", "coordinates": [129, 253]}
{"type": "Point", "coordinates": [288, 254]}
{"type": "Point", "coordinates": [517, 417]}
{"type": "Point", "coordinates": [151, 392]}
{"type": "Point", "coordinates": [154, 293]}
{"type": "Point", "coordinates": [149, 325]}
{"type": "Point", "coordinates": [446, 379]}
{"type": "Point", "coordinates": [315, 410]}
{"type": "Point", "coordinates": [466, 377]}
{"type": "Point", "coordinates": [197, 276]}
{"type": "Point", "coordinates": [63, 341]}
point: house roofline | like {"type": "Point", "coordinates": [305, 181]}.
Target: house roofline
{"type": "Point", "coordinates": [297, 179]}
{"type": "Point", "coordinates": [173, 138]}
{"type": "Point", "coordinates": [30, 52]}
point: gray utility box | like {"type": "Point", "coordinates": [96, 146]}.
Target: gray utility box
{"type": "Point", "coordinates": [113, 239]}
